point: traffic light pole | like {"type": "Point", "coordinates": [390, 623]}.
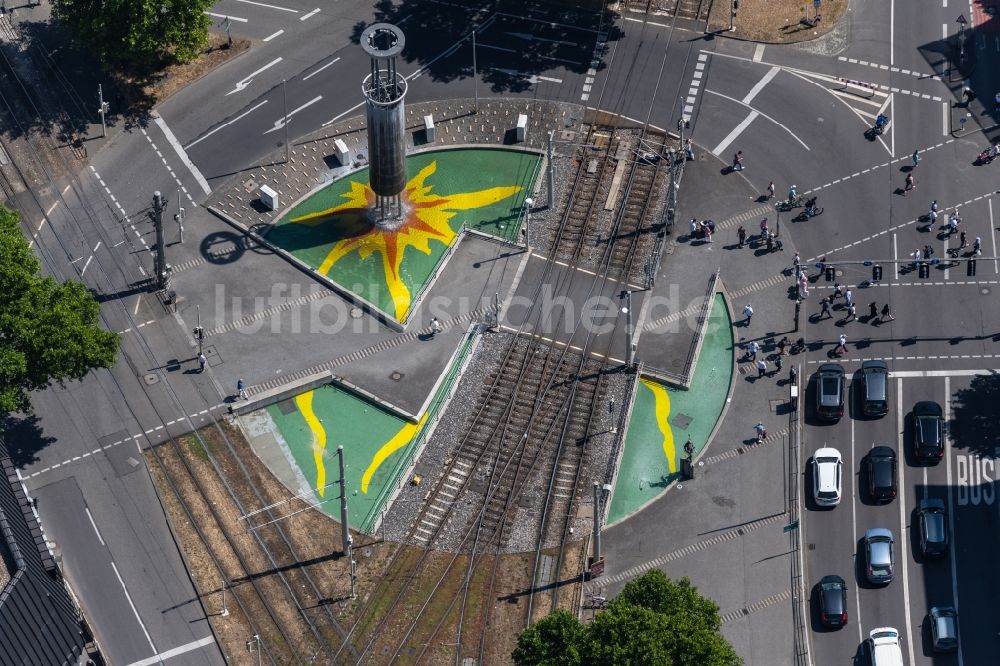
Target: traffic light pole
{"type": "Point", "coordinates": [102, 109]}
{"type": "Point", "coordinates": [160, 265]}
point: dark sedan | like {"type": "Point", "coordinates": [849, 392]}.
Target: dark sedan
{"type": "Point", "coordinates": [933, 528]}
{"type": "Point", "coordinates": [928, 431]}
{"type": "Point", "coordinates": [881, 470]}
{"type": "Point", "coordinates": [832, 602]}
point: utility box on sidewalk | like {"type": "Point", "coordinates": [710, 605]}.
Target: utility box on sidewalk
{"type": "Point", "coordinates": [793, 397]}
{"type": "Point", "coordinates": [269, 197]}
{"type": "Point", "coordinates": [343, 155]}
{"type": "Point", "coordinates": [522, 127]}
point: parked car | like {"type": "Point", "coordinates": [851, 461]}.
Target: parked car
{"type": "Point", "coordinates": [827, 470]}
{"type": "Point", "coordinates": [881, 468]}
{"type": "Point", "coordinates": [879, 558]}
{"type": "Point", "coordinates": [884, 647]}
{"type": "Point", "coordinates": [832, 602]}
{"type": "Point", "coordinates": [933, 528]}
{"type": "Point", "coordinates": [874, 388]}
{"type": "Point", "coordinates": [944, 629]}
{"type": "Point", "coordinates": [928, 431]}
{"type": "Point", "coordinates": [830, 392]}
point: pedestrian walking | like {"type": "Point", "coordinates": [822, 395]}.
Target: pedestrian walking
{"type": "Point", "coordinates": [741, 233]}
{"type": "Point", "coordinates": [761, 432]}
{"type": "Point", "coordinates": [872, 310]}
{"type": "Point", "coordinates": [825, 311]}
{"type": "Point", "coordinates": [689, 149]}
{"type": "Point", "coordinates": [928, 252]}
{"type": "Point", "coordinates": [693, 228]}
{"type": "Point", "coordinates": [241, 389]}
{"type": "Point", "coordinates": [689, 448]}
{"type": "Point", "coordinates": [886, 313]}
{"type": "Point", "coordinates": [851, 311]}
{"type": "Point", "coordinates": [962, 240]}
{"type": "Point", "coordinates": [778, 364]}
{"type": "Point", "coordinates": [977, 246]}
{"type": "Point", "coordinates": [748, 313]}
{"type": "Point", "coordinates": [793, 374]}
{"type": "Point", "coordinates": [738, 161]}
{"type": "Point", "coordinates": [837, 292]}
{"type": "Point", "coordinates": [435, 326]}
{"type": "Point", "coordinates": [969, 95]}
{"type": "Point", "coordinates": [842, 347]}
{"type": "Point", "coordinates": [782, 343]}
{"type": "Point", "coordinates": [849, 297]}
{"type": "Point", "coordinates": [822, 265]}
{"type": "Point", "coordinates": [706, 231]}
{"type": "Point", "coordinates": [915, 255]}
{"type": "Point", "coordinates": [763, 229]}
{"type": "Point", "coordinates": [761, 368]}
{"type": "Point", "coordinates": [803, 288]}
{"type": "Point", "coordinates": [752, 349]}
{"type": "Point", "coordinates": [796, 263]}
{"type": "Point", "coordinates": [911, 184]}
{"type": "Point", "coordinates": [201, 362]}
{"type": "Point", "coordinates": [916, 158]}
{"type": "Point", "coordinates": [770, 190]}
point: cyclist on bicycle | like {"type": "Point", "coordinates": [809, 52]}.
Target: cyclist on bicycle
{"type": "Point", "coordinates": [811, 206]}
{"type": "Point", "coordinates": [792, 194]}
{"type": "Point", "coordinates": [880, 122]}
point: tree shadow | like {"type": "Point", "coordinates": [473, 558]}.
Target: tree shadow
{"type": "Point", "coordinates": [976, 419]}
{"type": "Point", "coordinates": [24, 439]}
{"type": "Point", "coordinates": [555, 38]}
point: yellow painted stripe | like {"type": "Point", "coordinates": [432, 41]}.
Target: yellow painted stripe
{"type": "Point", "coordinates": [401, 439]}
{"type": "Point", "coordinates": [661, 400]}
{"type": "Point", "coordinates": [304, 403]}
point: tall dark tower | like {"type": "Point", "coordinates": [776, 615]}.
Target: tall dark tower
{"type": "Point", "coordinates": [384, 90]}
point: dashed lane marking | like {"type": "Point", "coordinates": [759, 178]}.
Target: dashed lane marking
{"type": "Point", "coordinates": [931, 357]}
{"type": "Point", "coordinates": [735, 615]}
{"type": "Point", "coordinates": [196, 415]}
{"type": "Point", "coordinates": [728, 535]}
{"type": "Point", "coordinates": [897, 70]}
{"type": "Point", "coordinates": [137, 326]}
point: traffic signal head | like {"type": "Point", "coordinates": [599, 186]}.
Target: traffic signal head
{"type": "Point", "coordinates": [876, 273]}
{"type": "Point", "coordinates": [831, 273]}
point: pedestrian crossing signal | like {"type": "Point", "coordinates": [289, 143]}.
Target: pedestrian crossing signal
{"type": "Point", "coordinates": [876, 273]}
{"type": "Point", "coordinates": [831, 273]}
{"type": "Point", "coordinates": [925, 270]}
{"type": "Point", "coordinates": [970, 268]}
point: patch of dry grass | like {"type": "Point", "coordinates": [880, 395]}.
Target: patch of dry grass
{"type": "Point", "coordinates": [776, 20]}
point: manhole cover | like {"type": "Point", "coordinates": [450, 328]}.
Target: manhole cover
{"type": "Point", "coordinates": [682, 421]}
{"type": "Point", "coordinates": [151, 378]}
{"type": "Point", "coordinates": [287, 407]}
{"type": "Point", "coordinates": [396, 375]}
{"type": "Point", "coordinates": [984, 291]}
{"type": "Point", "coordinates": [356, 313]}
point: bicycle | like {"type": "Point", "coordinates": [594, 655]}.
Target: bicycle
{"type": "Point", "coordinates": [597, 602]}
{"type": "Point", "coordinates": [789, 204]}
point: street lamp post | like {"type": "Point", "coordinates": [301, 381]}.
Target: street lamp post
{"type": "Point", "coordinates": [475, 75]}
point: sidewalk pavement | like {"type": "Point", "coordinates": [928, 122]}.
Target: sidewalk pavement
{"type": "Point", "coordinates": [724, 528]}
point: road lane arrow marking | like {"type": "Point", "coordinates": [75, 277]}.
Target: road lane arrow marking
{"type": "Point", "coordinates": [535, 38]}
{"type": "Point", "coordinates": [240, 85]}
{"type": "Point", "coordinates": [279, 123]}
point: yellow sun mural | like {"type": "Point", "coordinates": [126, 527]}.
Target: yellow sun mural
{"type": "Point", "coordinates": [426, 219]}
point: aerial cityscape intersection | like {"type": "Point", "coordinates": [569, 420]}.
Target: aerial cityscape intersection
{"type": "Point", "coordinates": [437, 317]}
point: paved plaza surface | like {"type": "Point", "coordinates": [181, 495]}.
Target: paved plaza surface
{"type": "Point", "coordinates": [798, 113]}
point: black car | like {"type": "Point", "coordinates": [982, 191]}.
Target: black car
{"type": "Point", "coordinates": [832, 601]}
{"type": "Point", "coordinates": [881, 463]}
{"type": "Point", "coordinates": [830, 392]}
{"type": "Point", "coordinates": [874, 388]}
{"type": "Point", "coordinates": [928, 431]}
{"type": "Point", "coordinates": [933, 528]}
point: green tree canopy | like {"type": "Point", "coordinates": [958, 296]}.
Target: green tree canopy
{"type": "Point", "coordinates": [654, 621]}
{"type": "Point", "coordinates": [48, 329]}
{"type": "Point", "coordinates": [137, 33]}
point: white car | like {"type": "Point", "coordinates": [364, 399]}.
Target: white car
{"type": "Point", "coordinates": [827, 469]}
{"type": "Point", "coordinates": [884, 647]}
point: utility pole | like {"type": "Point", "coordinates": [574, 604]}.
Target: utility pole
{"type": "Point", "coordinates": [475, 74]}
{"type": "Point", "coordinates": [345, 531]}
{"type": "Point", "coordinates": [284, 102]}
{"type": "Point", "coordinates": [597, 523]}
{"type": "Point", "coordinates": [160, 264]}
{"type": "Point", "coordinates": [552, 202]}
{"type": "Point", "coordinates": [629, 348]}
{"type": "Point", "coordinates": [199, 332]}
{"type": "Point", "coordinates": [102, 109]}
{"type": "Point", "coordinates": [255, 641]}
{"type": "Point", "coordinates": [179, 216]}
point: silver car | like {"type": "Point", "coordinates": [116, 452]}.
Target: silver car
{"type": "Point", "coordinates": [879, 558]}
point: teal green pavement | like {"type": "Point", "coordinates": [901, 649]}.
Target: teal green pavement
{"type": "Point", "coordinates": [378, 445]}
{"type": "Point", "coordinates": [663, 418]}
{"type": "Point", "coordinates": [333, 230]}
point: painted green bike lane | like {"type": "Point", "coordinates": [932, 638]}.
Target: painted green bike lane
{"type": "Point", "coordinates": [664, 417]}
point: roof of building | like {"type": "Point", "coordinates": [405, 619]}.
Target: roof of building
{"type": "Point", "coordinates": [40, 623]}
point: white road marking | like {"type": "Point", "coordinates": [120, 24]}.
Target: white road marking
{"type": "Point", "coordinates": [261, 4]}
{"type": "Point", "coordinates": [309, 76]}
{"type": "Point", "coordinates": [273, 35]}
{"type": "Point", "coordinates": [173, 652]}
{"type": "Point", "coordinates": [758, 53]}
{"type": "Point", "coordinates": [993, 235]}
{"type": "Point", "coordinates": [224, 16]}
{"type": "Point", "coordinates": [945, 118]}
{"type": "Point", "coordinates": [129, 597]}
{"type": "Point", "coordinates": [771, 73]}
{"type": "Point", "coordinates": [733, 135]}
{"type": "Point", "coordinates": [854, 528]}
{"type": "Point", "coordinates": [94, 525]}
{"type": "Point", "coordinates": [755, 113]}
{"type": "Point", "coordinates": [535, 38]}
{"type": "Point", "coordinates": [951, 505]}
{"type": "Point", "coordinates": [84, 270]}
{"type": "Point", "coordinates": [532, 79]}
{"type": "Point", "coordinates": [280, 122]}
{"type": "Point", "coordinates": [944, 373]}
{"type": "Point", "coordinates": [310, 14]}
{"type": "Point", "coordinates": [227, 124]}
{"type": "Point", "coordinates": [243, 83]}
{"type": "Point", "coordinates": [903, 535]}
{"type": "Point", "coordinates": [183, 155]}
{"type": "Point", "coordinates": [895, 256]}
